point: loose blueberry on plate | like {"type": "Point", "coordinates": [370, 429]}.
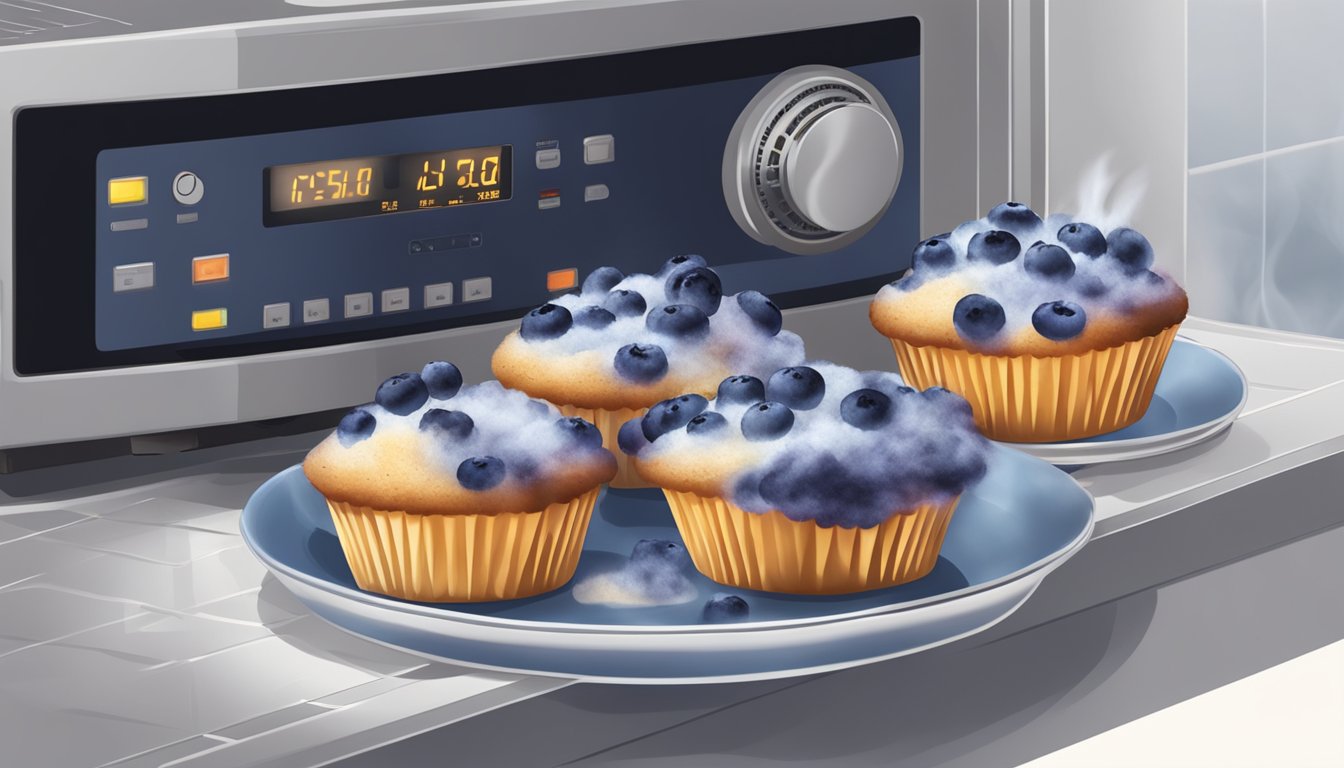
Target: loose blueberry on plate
{"type": "Point", "coordinates": [866, 409]}
{"type": "Point", "coordinates": [799, 387]}
{"type": "Point", "coordinates": [630, 437]}
{"type": "Point", "coordinates": [766, 421]}
{"type": "Point", "coordinates": [762, 311]}
{"type": "Point", "coordinates": [355, 426]}
{"type": "Point", "coordinates": [741, 389]}
{"type": "Point", "coordinates": [1014, 216]}
{"type": "Point", "coordinates": [1083, 238]}
{"type": "Point", "coordinates": [441, 422]}
{"type": "Point", "coordinates": [443, 379]}
{"type": "Point", "coordinates": [672, 414]}
{"type": "Point", "coordinates": [977, 317]}
{"type": "Point", "coordinates": [641, 363]}
{"type": "Point", "coordinates": [1131, 249]}
{"type": "Point", "coordinates": [549, 321]}
{"type": "Point", "coordinates": [724, 609]}
{"type": "Point", "coordinates": [935, 253]}
{"type": "Point", "coordinates": [661, 552]}
{"type": "Point", "coordinates": [698, 286]}
{"type": "Point", "coordinates": [480, 473]}
{"type": "Point", "coordinates": [625, 303]}
{"type": "Point", "coordinates": [680, 321]}
{"type": "Point", "coordinates": [601, 280]}
{"type": "Point", "coordinates": [593, 317]}
{"type": "Point", "coordinates": [706, 423]}
{"type": "Point", "coordinates": [1059, 320]}
{"type": "Point", "coordinates": [993, 247]}
{"type": "Point", "coordinates": [1049, 261]}
{"type": "Point", "coordinates": [402, 394]}
{"type": "Point", "coordinates": [581, 431]}
{"type": "Point", "coordinates": [681, 261]}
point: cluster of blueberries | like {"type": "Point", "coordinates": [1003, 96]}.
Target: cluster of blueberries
{"type": "Point", "coordinates": [770, 411]}
{"type": "Point", "coordinates": [694, 293]}
{"type": "Point", "coordinates": [658, 568]}
{"type": "Point", "coordinates": [406, 393]}
{"type": "Point", "coordinates": [979, 318]}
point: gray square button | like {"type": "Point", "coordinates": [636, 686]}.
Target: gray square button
{"type": "Point", "coordinates": [275, 315]}
{"type": "Point", "coordinates": [599, 149]}
{"type": "Point", "coordinates": [438, 295]}
{"type": "Point", "coordinates": [316, 310]}
{"type": "Point", "coordinates": [548, 159]}
{"type": "Point", "coordinates": [358, 304]}
{"type": "Point", "coordinates": [396, 299]}
{"type": "Point", "coordinates": [476, 289]}
{"type": "Point", "coordinates": [133, 277]}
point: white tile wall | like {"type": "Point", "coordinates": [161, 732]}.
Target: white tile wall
{"type": "Point", "coordinates": [1305, 59]}
{"type": "Point", "coordinates": [1227, 79]}
{"type": "Point", "coordinates": [1223, 263]}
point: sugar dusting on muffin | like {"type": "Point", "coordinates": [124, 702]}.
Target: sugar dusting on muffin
{"type": "Point", "coordinates": [818, 442]}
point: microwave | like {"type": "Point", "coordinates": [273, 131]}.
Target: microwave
{"type": "Point", "coordinates": [227, 213]}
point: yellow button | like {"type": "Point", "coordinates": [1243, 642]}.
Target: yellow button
{"type": "Point", "coordinates": [209, 269]}
{"type": "Point", "coordinates": [128, 190]}
{"type": "Point", "coordinates": [562, 279]}
{"type": "Point", "coordinates": [209, 319]}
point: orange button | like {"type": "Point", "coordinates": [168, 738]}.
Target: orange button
{"type": "Point", "coordinates": [210, 269]}
{"type": "Point", "coordinates": [562, 279]}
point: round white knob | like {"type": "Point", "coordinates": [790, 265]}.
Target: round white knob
{"type": "Point", "coordinates": [188, 189]}
{"type": "Point", "coordinates": [842, 169]}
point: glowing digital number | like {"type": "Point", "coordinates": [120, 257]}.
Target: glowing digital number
{"type": "Point", "coordinates": [424, 184]}
{"type": "Point", "coordinates": [490, 171]}
{"type": "Point", "coordinates": [465, 181]}
{"type": "Point", "coordinates": [295, 193]}
{"type": "Point", "coordinates": [363, 180]}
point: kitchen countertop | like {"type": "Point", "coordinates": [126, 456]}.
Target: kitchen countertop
{"type": "Point", "coordinates": [135, 618]}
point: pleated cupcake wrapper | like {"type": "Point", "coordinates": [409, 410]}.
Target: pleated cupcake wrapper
{"type": "Point", "coordinates": [1027, 399]}
{"type": "Point", "coordinates": [463, 558]}
{"type": "Point", "coordinates": [609, 423]}
{"type": "Point", "coordinates": [772, 553]}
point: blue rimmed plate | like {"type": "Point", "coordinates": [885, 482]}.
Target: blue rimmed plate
{"type": "Point", "coordinates": [1199, 394]}
{"type": "Point", "coordinates": [1010, 530]}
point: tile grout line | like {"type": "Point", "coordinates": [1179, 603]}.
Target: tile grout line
{"type": "Point", "coordinates": [1268, 154]}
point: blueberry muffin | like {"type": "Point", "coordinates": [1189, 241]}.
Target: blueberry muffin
{"type": "Point", "coordinates": [442, 493]}
{"type": "Point", "coordinates": [625, 342]}
{"type": "Point", "coordinates": [1052, 331]}
{"type": "Point", "coordinates": [818, 480]}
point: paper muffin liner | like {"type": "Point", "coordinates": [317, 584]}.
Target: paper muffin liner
{"type": "Point", "coordinates": [1028, 399]}
{"type": "Point", "coordinates": [463, 558]}
{"type": "Point", "coordinates": [609, 422]}
{"type": "Point", "coordinates": [772, 553]}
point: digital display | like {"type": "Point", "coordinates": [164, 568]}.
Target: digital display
{"type": "Point", "coordinates": [368, 186]}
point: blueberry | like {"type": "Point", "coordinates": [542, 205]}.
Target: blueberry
{"type": "Point", "coordinates": [766, 421]}
{"type": "Point", "coordinates": [630, 438]}
{"type": "Point", "coordinates": [706, 423]}
{"type": "Point", "coordinates": [977, 317]}
{"type": "Point", "coordinates": [662, 552]}
{"type": "Point", "coordinates": [672, 414]}
{"type": "Point", "coordinates": [1092, 287]}
{"type": "Point", "coordinates": [402, 394]}
{"type": "Point", "coordinates": [741, 389]}
{"type": "Point", "coordinates": [798, 387]}
{"type": "Point", "coordinates": [994, 246]}
{"type": "Point", "coordinates": [480, 473]}
{"type": "Point", "coordinates": [355, 426]}
{"type": "Point", "coordinates": [1131, 249]}
{"type": "Point", "coordinates": [698, 286]}
{"type": "Point", "coordinates": [1083, 238]}
{"type": "Point", "coordinates": [641, 363]}
{"type": "Point", "coordinates": [445, 423]}
{"type": "Point", "coordinates": [680, 321]}
{"type": "Point", "coordinates": [725, 609]}
{"type": "Point", "coordinates": [1059, 320]}
{"type": "Point", "coordinates": [762, 311]}
{"type": "Point", "coordinates": [935, 253]}
{"type": "Point", "coordinates": [625, 303]}
{"type": "Point", "coordinates": [946, 398]}
{"type": "Point", "coordinates": [1049, 261]}
{"type": "Point", "coordinates": [1014, 216]}
{"type": "Point", "coordinates": [602, 279]}
{"type": "Point", "coordinates": [549, 321]}
{"type": "Point", "coordinates": [680, 262]}
{"type": "Point", "coordinates": [594, 317]}
{"type": "Point", "coordinates": [580, 431]}
{"type": "Point", "coordinates": [866, 409]}
{"type": "Point", "coordinates": [442, 379]}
